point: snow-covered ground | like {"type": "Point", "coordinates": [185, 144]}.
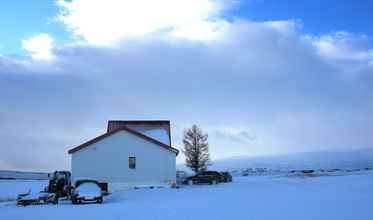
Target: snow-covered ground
{"type": "Point", "coordinates": [253, 197]}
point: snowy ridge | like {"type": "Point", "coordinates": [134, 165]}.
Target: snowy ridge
{"type": "Point", "coordinates": [23, 175]}
{"type": "Point", "coordinates": [346, 160]}
{"type": "Point", "coordinates": [312, 160]}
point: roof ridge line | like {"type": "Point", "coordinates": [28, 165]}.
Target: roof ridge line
{"type": "Point", "coordinates": [107, 134]}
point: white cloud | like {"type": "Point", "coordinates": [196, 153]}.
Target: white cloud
{"type": "Point", "coordinates": [106, 22]}
{"type": "Point", "coordinates": [201, 30]}
{"type": "Point", "coordinates": [234, 134]}
{"type": "Point", "coordinates": [284, 26]}
{"type": "Point", "coordinates": [344, 49]}
{"type": "Point", "coordinates": [39, 46]}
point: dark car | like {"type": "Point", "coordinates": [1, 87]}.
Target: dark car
{"type": "Point", "coordinates": [211, 177]}
{"type": "Point", "coordinates": [227, 177]}
{"type": "Point", "coordinates": [87, 191]}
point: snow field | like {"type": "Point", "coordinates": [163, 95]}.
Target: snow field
{"type": "Point", "coordinates": [253, 197]}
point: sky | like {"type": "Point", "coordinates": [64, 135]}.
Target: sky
{"type": "Point", "coordinates": [261, 77]}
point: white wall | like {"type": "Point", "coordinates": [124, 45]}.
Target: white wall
{"type": "Point", "coordinates": [107, 161]}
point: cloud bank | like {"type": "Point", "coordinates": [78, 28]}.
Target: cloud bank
{"type": "Point", "coordinates": [257, 88]}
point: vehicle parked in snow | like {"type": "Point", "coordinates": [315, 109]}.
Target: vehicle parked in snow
{"type": "Point", "coordinates": [211, 177]}
{"type": "Point", "coordinates": [181, 176]}
{"type": "Point", "coordinates": [227, 177]}
{"type": "Point", "coordinates": [59, 186]}
{"type": "Point", "coordinates": [30, 198]}
{"type": "Point", "coordinates": [59, 183]}
{"type": "Point", "coordinates": [86, 190]}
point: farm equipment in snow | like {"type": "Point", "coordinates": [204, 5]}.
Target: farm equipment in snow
{"type": "Point", "coordinates": [59, 186]}
{"type": "Point", "coordinates": [36, 198]}
{"type": "Point", "coordinates": [59, 183]}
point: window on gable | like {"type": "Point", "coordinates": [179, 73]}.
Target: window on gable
{"type": "Point", "coordinates": [132, 162]}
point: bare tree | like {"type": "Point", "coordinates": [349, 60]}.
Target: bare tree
{"type": "Point", "coordinates": [196, 149]}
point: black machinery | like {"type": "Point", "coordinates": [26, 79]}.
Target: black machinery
{"type": "Point", "coordinates": [59, 183]}
{"type": "Point", "coordinates": [59, 186]}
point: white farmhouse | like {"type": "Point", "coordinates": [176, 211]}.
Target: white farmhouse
{"type": "Point", "coordinates": [130, 153]}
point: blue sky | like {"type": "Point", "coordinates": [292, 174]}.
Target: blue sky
{"type": "Point", "coordinates": [19, 20]}
{"type": "Point", "coordinates": [317, 16]}
{"type": "Point", "coordinates": [260, 77]}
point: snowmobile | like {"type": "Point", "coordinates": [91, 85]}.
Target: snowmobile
{"type": "Point", "coordinates": [30, 198]}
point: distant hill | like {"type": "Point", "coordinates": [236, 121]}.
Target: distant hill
{"type": "Point", "coordinates": [309, 160]}
{"type": "Point", "coordinates": [8, 174]}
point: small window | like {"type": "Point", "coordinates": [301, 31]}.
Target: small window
{"type": "Point", "coordinates": [132, 162]}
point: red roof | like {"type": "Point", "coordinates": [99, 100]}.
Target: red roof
{"type": "Point", "coordinates": [122, 128]}
{"type": "Point", "coordinates": [144, 125]}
